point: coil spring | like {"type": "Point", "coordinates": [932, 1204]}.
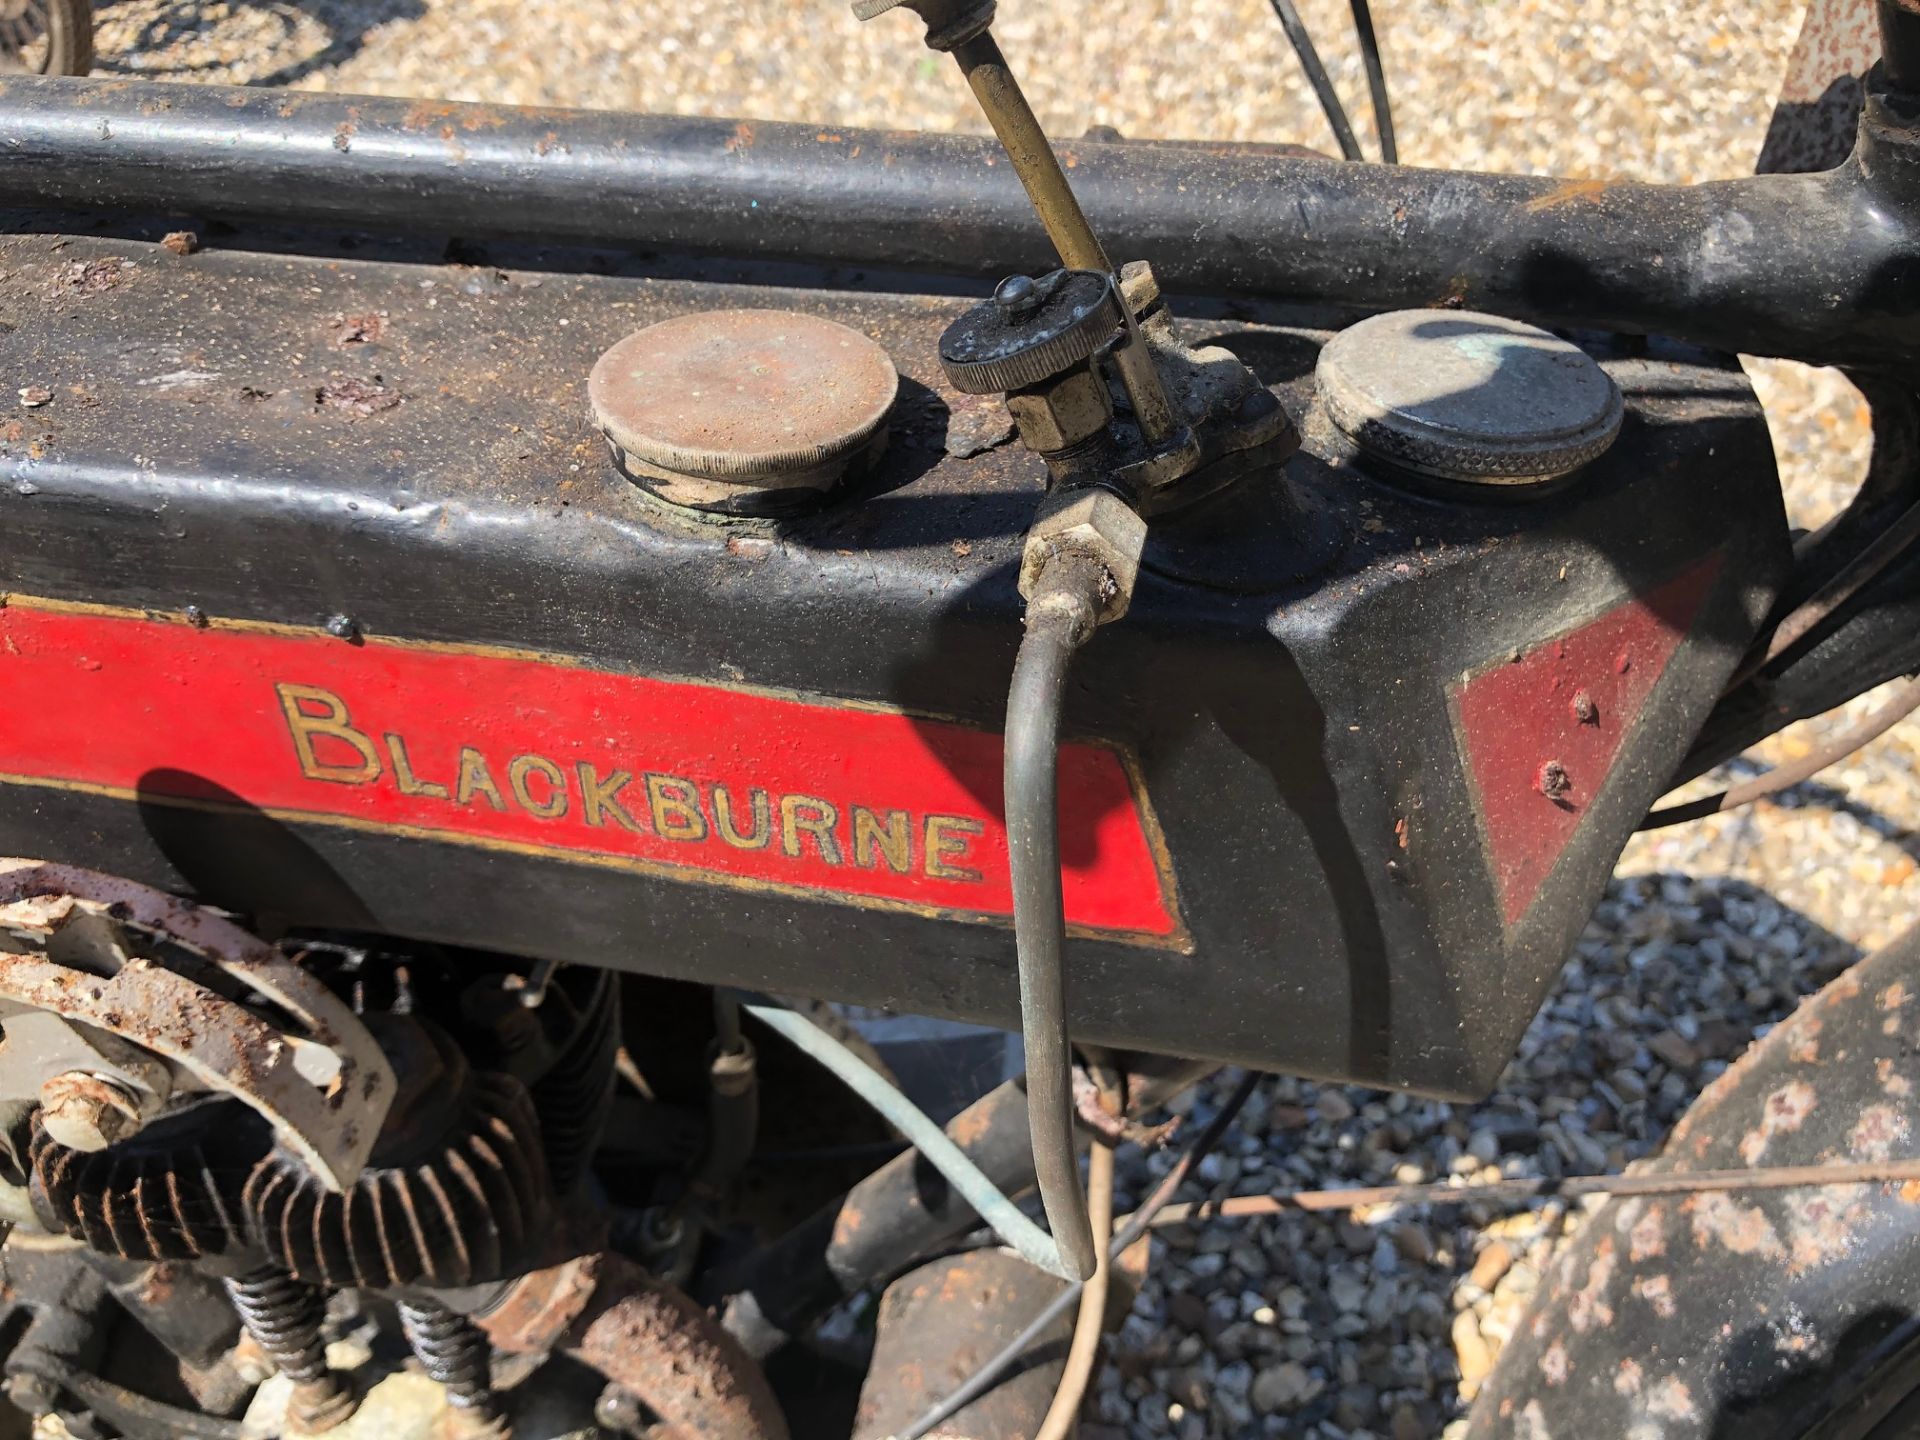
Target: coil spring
{"type": "Point", "coordinates": [453, 1351]}
{"type": "Point", "coordinates": [284, 1317]}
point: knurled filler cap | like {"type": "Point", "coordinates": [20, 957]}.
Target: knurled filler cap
{"type": "Point", "coordinates": [1032, 331]}
{"type": "Point", "coordinates": [1477, 399]}
{"type": "Point", "coordinates": [746, 411]}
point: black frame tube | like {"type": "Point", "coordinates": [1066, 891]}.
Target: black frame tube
{"type": "Point", "coordinates": [1823, 268]}
{"type": "Point", "coordinates": [1900, 40]}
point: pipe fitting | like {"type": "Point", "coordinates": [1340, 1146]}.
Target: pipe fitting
{"type": "Point", "coordinates": [1089, 525]}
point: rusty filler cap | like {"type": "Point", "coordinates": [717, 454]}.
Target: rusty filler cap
{"type": "Point", "coordinates": [744, 411]}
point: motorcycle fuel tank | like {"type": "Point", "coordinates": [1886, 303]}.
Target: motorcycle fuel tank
{"type": "Point", "coordinates": [329, 604]}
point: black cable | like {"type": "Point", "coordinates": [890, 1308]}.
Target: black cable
{"type": "Point", "coordinates": [1317, 77]}
{"type": "Point", "coordinates": [1376, 81]}
{"type": "Point", "coordinates": [983, 1379]}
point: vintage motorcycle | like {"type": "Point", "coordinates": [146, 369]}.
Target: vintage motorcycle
{"type": "Point", "coordinates": [508, 608]}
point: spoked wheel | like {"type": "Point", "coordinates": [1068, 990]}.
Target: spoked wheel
{"type": "Point", "coordinates": [46, 37]}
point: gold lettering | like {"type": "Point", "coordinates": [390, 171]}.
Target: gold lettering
{"type": "Point", "coordinates": [948, 837]}
{"type": "Point", "coordinates": [723, 819]}
{"type": "Point", "coordinates": [331, 724]}
{"type": "Point", "coordinates": [872, 839]}
{"type": "Point", "coordinates": [555, 805]}
{"type": "Point", "coordinates": [403, 776]}
{"type": "Point", "coordinates": [805, 815]}
{"type": "Point", "coordinates": [600, 798]}
{"type": "Point", "coordinates": [475, 779]}
{"type": "Point", "coordinates": [675, 804]}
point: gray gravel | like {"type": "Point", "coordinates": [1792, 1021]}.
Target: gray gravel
{"type": "Point", "coordinates": [1382, 1324]}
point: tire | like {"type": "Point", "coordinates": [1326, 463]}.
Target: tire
{"type": "Point", "coordinates": [46, 37]}
{"type": "Point", "coordinates": [1789, 1314]}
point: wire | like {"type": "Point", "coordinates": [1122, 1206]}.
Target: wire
{"type": "Point", "coordinates": [1905, 701]}
{"type": "Point", "coordinates": [1003, 1217]}
{"type": "Point", "coordinates": [1136, 1225]}
{"type": "Point", "coordinates": [1888, 546]}
{"type": "Point", "coordinates": [1064, 1412]}
{"type": "Point", "coordinates": [1060, 617]}
{"type": "Point", "coordinates": [1376, 81]}
{"type": "Point", "coordinates": [1317, 77]}
{"type": "Point", "coordinates": [1779, 1177]}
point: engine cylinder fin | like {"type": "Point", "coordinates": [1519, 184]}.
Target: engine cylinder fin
{"type": "Point", "coordinates": [170, 1193]}
{"type": "Point", "coordinates": [572, 1098]}
{"type": "Point", "coordinates": [443, 1218]}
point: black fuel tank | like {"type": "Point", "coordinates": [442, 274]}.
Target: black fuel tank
{"type": "Point", "coordinates": [327, 602]}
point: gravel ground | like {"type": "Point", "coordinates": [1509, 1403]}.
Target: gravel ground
{"type": "Point", "coordinates": [1383, 1324]}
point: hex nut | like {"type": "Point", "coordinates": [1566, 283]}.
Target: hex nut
{"type": "Point", "coordinates": [1139, 288]}
{"type": "Point", "coordinates": [84, 1112]}
{"type": "Point", "coordinates": [1094, 523]}
{"type": "Point", "coordinates": [1063, 414]}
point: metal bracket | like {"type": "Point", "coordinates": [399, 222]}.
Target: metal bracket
{"type": "Point", "coordinates": [67, 946]}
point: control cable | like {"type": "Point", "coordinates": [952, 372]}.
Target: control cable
{"type": "Point", "coordinates": [1136, 1225]}
{"type": "Point", "coordinates": [1376, 81]}
{"type": "Point", "coordinates": [1318, 78]}
{"type": "Point", "coordinates": [1002, 1216]}
{"type": "Point", "coordinates": [1904, 702]}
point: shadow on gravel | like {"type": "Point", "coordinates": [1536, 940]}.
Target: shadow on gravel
{"type": "Point", "coordinates": [1386, 1320]}
{"type": "Point", "coordinates": [274, 27]}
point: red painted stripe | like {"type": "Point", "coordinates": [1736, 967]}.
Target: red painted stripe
{"type": "Point", "coordinates": [849, 803]}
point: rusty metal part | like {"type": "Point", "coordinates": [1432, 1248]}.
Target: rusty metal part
{"type": "Point", "coordinates": [284, 1317]}
{"type": "Point", "coordinates": [1904, 702]}
{"type": "Point", "coordinates": [323, 1084]}
{"type": "Point", "coordinates": [454, 1193]}
{"type": "Point", "coordinates": [645, 1336]}
{"type": "Point", "coordinates": [1115, 1128]}
{"type": "Point", "coordinates": [85, 1112]}
{"type": "Point", "coordinates": [1040, 172]}
{"type": "Point", "coordinates": [935, 1326]}
{"type": "Point", "coordinates": [721, 409]}
{"type": "Point", "coordinates": [901, 1210]}
{"type": "Point", "coordinates": [1761, 1312]}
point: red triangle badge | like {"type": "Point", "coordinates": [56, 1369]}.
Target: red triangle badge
{"type": "Point", "coordinates": [1540, 732]}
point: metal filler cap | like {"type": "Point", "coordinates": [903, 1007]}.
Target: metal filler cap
{"type": "Point", "coordinates": [1470, 398]}
{"type": "Point", "coordinates": [744, 411]}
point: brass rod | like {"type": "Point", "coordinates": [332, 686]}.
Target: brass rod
{"type": "Point", "coordinates": [1033, 159]}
